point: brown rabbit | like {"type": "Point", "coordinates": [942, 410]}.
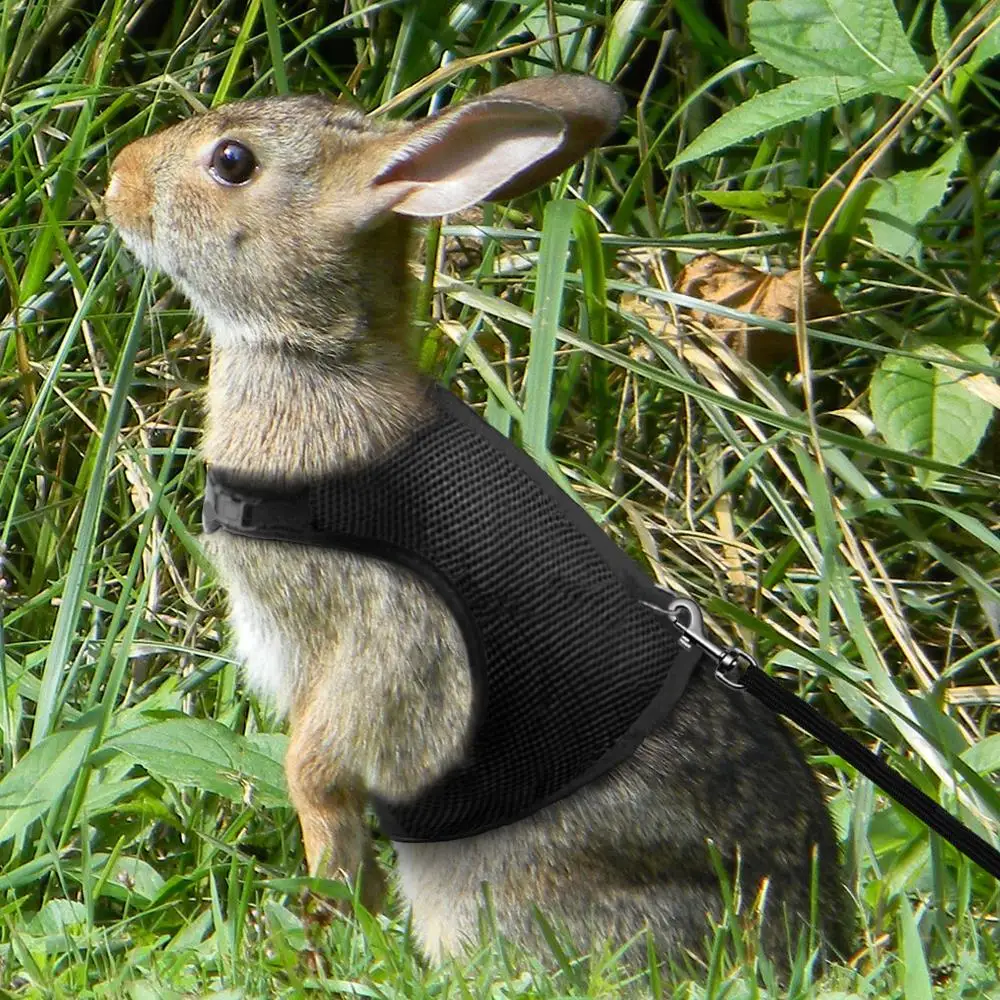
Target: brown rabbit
{"type": "Point", "coordinates": [286, 222]}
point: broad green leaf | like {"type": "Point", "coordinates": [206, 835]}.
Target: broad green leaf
{"type": "Point", "coordinates": [58, 916]}
{"type": "Point", "coordinates": [923, 409]}
{"type": "Point", "coordinates": [207, 755]}
{"type": "Point", "coordinates": [823, 38]}
{"type": "Point", "coordinates": [39, 778]}
{"type": "Point", "coordinates": [270, 745]}
{"type": "Point", "coordinates": [785, 104]}
{"type": "Point", "coordinates": [289, 923]}
{"type": "Point", "coordinates": [902, 202]}
{"type": "Point", "coordinates": [128, 876]}
{"type": "Point", "coordinates": [105, 795]}
{"type": "Point", "coordinates": [916, 975]}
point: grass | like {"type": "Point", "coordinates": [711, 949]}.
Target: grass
{"type": "Point", "coordinates": [863, 573]}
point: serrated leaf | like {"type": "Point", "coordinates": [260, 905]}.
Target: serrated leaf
{"type": "Point", "coordinates": [922, 409]}
{"type": "Point", "coordinates": [785, 104]}
{"type": "Point", "coordinates": [817, 38]}
{"type": "Point", "coordinates": [903, 201]}
{"type": "Point", "coordinates": [207, 755]}
{"type": "Point", "coordinates": [39, 779]}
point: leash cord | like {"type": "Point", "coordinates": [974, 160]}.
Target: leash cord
{"type": "Point", "coordinates": [737, 669]}
{"type": "Point", "coordinates": [779, 700]}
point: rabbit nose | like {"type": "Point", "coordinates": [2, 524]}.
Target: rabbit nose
{"type": "Point", "coordinates": [129, 195]}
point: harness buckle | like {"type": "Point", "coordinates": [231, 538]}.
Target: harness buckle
{"type": "Point", "coordinates": [233, 510]}
{"type": "Point", "coordinates": [731, 663]}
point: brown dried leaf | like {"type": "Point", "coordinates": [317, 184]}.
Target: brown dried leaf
{"type": "Point", "coordinates": [729, 283]}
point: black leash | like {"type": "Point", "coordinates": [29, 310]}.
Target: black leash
{"type": "Point", "coordinates": [737, 669]}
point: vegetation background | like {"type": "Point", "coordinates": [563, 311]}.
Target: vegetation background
{"type": "Point", "coordinates": [827, 491]}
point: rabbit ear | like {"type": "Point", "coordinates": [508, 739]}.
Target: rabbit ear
{"type": "Point", "coordinates": [500, 146]}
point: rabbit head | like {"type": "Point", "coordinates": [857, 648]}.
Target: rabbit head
{"type": "Point", "coordinates": [286, 219]}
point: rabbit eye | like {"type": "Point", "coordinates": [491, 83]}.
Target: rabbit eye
{"type": "Point", "coordinates": [232, 163]}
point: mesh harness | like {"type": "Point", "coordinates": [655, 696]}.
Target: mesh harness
{"type": "Point", "coordinates": [571, 667]}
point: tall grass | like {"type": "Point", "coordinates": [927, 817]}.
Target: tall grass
{"type": "Point", "coordinates": [146, 847]}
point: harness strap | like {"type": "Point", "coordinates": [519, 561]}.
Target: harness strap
{"type": "Point", "coordinates": [737, 668]}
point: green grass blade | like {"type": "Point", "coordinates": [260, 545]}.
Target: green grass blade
{"type": "Point", "coordinates": [552, 254]}
{"type": "Point", "coordinates": [80, 564]}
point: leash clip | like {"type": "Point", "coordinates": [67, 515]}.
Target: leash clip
{"type": "Point", "coordinates": [731, 663]}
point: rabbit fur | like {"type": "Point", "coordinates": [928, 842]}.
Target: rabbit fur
{"type": "Point", "coordinates": [300, 274]}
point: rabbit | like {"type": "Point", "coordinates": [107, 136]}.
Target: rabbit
{"type": "Point", "coordinates": [286, 222]}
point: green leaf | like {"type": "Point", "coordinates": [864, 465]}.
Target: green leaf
{"type": "Point", "coordinates": [987, 50]}
{"type": "Point", "coordinates": [823, 38]}
{"type": "Point", "coordinates": [80, 564]}
{"type": "Point", "coordinates": [39, 779]}
{"type": "Point", "coordinates": [785, 104]}
{"type": "Point", "coordinates": [626, 25]}
{"type": "Point", "coordinates": [221, 94]}
{"type": "Point", "coordinates": [916, 975]}
{"type": "Point", "coordinates": [903, 201]}
{"type": "Point", "coordinates": [984, 756]}
{"type": "Point", "coordinates": [557, 227]}
{"type": "Point", "coordinates": [127, 877]}
{"type": "Point", "coordinates": [784, 207]}
{"type": "Point", "coordinates": [325, 888]}
{"type": "Point", "coordinates": [58, 916]}
{"type": "Point", "coordinates": [274, 44]}
{"type": "Point", "coordinates": [923, 409]}
{"type": "Point", "coordinates": [54, 208]}
{"type": "Point", "coordinates": [940, 30]}
{"type": "Point", "coordinates": [209, 756]}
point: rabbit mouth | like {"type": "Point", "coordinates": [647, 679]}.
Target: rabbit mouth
{"type": "Point", "coordinates": [140, 245]}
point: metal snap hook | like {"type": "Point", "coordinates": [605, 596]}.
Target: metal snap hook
{"type": "Point", "coordinates": [731, 663]}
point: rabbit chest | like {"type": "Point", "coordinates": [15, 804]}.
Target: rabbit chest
{"type": "Point", "coordinates": [573, 661]}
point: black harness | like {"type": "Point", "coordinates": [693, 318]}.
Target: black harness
{"type": "Point", "coordinates": [576, 656]}
{"type": "Point", "coordinates": [573, 660]}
